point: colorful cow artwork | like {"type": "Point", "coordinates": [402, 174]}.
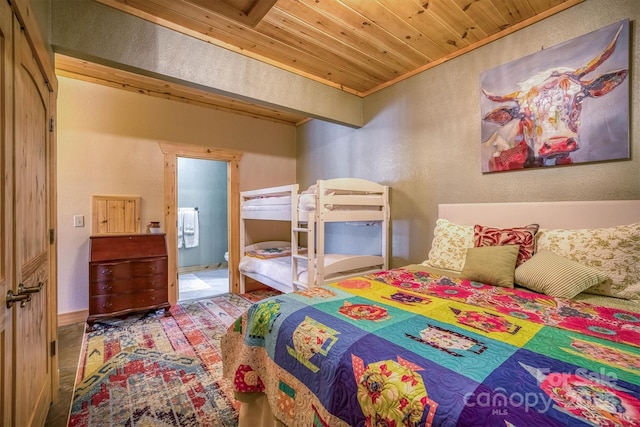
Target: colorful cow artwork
{"type": "Point", "coordinates": [541, 122]}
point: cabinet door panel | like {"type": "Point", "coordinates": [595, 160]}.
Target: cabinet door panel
{"type": "Point", "coordinates": [116, 214]}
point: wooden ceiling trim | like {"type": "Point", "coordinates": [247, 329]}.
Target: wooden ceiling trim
{"type": "Point", "coordinates": [107, 76]}
{"type": "Point", "coordinates": [549, 12]}
{"type": "Point", "coordinates": [540, 6]}
{"type": "Point", "coordinates": [249, 15]}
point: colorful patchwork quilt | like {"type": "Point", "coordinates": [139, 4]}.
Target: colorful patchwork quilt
{"type": "Point", "coordinates": [412, 348]}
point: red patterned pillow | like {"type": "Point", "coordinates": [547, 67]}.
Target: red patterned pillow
{"type": "Point", "coordinates": [523, 236]}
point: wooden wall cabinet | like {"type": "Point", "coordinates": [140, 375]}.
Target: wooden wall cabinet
{"type": "Point", "coordinates": [115, 215]}
{"type": "Point", "coordinates": [127, 273]}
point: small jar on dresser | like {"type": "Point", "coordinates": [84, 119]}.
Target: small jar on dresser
{"type": "Point", "coordinates": [127, 273]}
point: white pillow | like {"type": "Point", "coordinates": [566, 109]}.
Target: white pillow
{"type": "Point", "coordinates": [449, 245]}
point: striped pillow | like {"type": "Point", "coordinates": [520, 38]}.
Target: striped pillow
{"type": "Point", "coordinates": [557, 276]}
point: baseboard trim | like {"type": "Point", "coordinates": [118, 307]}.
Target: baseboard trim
{"type": "Point", "coordinates": [70, 318]}
{"type": "Point", "coordinates": [192, 268]}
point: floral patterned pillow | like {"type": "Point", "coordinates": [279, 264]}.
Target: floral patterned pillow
{"type": "Point", "coordinates": [615, 251]}
{"type": "Point", "coordinates": [449, 245]}
{"type": "Point", "coordinates": [523, 236]}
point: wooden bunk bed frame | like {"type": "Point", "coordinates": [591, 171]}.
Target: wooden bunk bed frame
{"type": "Point", "coordinates": [336, 200]}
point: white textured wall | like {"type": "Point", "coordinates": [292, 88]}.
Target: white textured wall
{"type": "Point", "coordinates": [108, 144]}
{"type": "Point", "coordinates": [422, 136]}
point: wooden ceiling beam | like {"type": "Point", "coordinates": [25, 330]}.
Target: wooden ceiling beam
{"type": "Point", "coordinates": [247, 14]}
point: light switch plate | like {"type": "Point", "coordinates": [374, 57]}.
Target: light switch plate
{"type": "Point", "coordinates": [78, 220]}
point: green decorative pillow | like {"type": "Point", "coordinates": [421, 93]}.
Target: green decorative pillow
{"type": "Point", "coordinates": [493, 265]}
{"type": "Point", "coordinates": [549, 273]}
{"type": "Point", "coordinates": [450, 242]}
{"type": "Point", "coordinates": [614, 251]}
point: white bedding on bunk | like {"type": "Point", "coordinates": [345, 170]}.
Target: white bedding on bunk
{"type": "Point", "coordinates": [279, 269]}
{"type": "Point", "coordinates": [266, 201]}
{"type": "Point", "coordinates": [267, 207]}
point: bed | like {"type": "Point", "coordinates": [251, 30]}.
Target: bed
{"type": "Point", "coordinates": [302, 262]}
{"type": "Point", "coordinates": [429, 344]}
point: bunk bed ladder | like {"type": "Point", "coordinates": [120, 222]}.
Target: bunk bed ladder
{"type": "Point", "coordinates": [296, 229]}
{"type": "Point", "coordinates": [296, 256]}
{"type": "Point", "coordinates": [241, 247]}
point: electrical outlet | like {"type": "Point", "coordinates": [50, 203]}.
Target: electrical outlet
{"type": "Point", "coordinates": [78, 220]}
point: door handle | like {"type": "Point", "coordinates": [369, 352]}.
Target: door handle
{"type": "Point", "coordinates": [22, 289]}
{"type": "Point", "coordinates": [11, 298]}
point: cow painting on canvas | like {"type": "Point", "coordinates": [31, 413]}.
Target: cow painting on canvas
{"type": "Point", "coordinates": [563, 105]}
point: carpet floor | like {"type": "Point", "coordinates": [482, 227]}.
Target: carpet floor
{"type": "Point", "coordinates": [152, 370]}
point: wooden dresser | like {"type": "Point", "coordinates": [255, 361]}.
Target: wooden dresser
{"type": "Point", "coordinates": [127, 273]}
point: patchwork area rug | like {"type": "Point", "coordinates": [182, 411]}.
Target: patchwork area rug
{"type": "Point", "coordinates": [152, 370]}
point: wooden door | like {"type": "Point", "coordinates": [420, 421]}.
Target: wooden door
{"type": "Point", "coordinates": [32, 364]}
{"type": "Point", "coordinates": [6, 230]}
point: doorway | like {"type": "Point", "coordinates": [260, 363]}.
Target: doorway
{"type": "Point", "coordinates": [202, 228]}
{"type": "Point", "coordinates": [232, 158]}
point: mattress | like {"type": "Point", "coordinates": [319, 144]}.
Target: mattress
{"type": "Point", "coordinates": [279, 269]}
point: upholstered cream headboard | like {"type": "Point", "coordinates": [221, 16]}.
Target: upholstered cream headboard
{"type": "Point", "coordinates": [572, 214]}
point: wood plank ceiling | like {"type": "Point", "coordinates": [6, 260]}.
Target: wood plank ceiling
{"type": "Point", "coordinates": [359, 46]}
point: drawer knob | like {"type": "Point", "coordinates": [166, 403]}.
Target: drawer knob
{"type": "Point", "coordinates": [106, 271]}
{"type": "Point", "coordinates": [152, 298]}
{"type": "Point", "coordinates": [107, 305]}
{"type": "Point", "coordinates": [107, 287]}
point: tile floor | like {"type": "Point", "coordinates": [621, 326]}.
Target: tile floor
{"type": "Point", "coordinates": [198, 284]}
{"type": "Point", "coordinates": [203, 283]}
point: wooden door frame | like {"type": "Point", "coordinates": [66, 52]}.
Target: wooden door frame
{"type": "Point", "coordinates": [6, 210]}
{"type": "Point", "coordinates": [171, 153]}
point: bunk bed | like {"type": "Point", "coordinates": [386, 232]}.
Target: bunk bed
{"type": "Point", "coordinates": [304, 262]}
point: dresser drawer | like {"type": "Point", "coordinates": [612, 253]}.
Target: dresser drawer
{"type": "Point", "coordinates": [102, 304]}
{"type": "Point", "coordinates": [109, 271]}
{"type": "Point", "coordinates": [123, 286]}
{"type": "Point", "coordinates": [148, 267]}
